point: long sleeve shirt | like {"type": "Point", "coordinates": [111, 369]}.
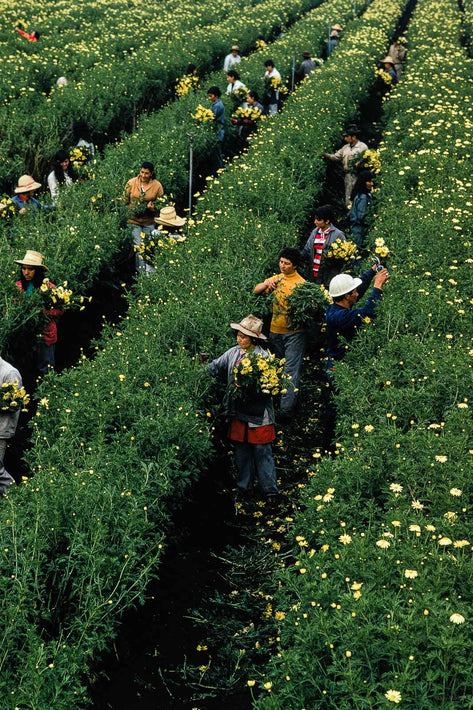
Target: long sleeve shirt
{"type": "Point", "coordinates": [230, 61]}
{"type": "Point", "coordinates": [343, 322]}
{"type": "Point", "coordinates": [218, 111]}
{"type": "Point", "coordinates": [31, 204]}
{"type": "Point", "coordinates": [347, 152]}
{"type": "Point", "coordinates": [8, 420]}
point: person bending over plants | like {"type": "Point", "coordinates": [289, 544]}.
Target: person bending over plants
{"type": "Point", "coordinates": [141, 193]}
{"type": "Point", "coordinates": [288, 342]}
{"type": "Point", "coordinates": [342, 321]}
{"type": "Point", "coordinates": [252, 376]}
{"type": "Point", "coordinates": [32, 279]}
{"type": "Point", "coordinates": [24, 199]}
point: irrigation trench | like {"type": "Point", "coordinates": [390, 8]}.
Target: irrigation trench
{"type": "Point", "coordinates": [154, 659]}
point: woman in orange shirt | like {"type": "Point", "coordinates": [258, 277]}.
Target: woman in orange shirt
{"type": "Point", "coordinates": [141, 193]}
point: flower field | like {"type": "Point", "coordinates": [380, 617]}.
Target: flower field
{"type": "Point", "coordinates": [110, 76]}
{"type": "Point", "coordinates": [375, 610]}
{"type": "Point", "coordinates": [377, 606]}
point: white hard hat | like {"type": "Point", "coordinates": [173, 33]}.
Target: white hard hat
{"type": "Point", "coordinates": [342, 284]}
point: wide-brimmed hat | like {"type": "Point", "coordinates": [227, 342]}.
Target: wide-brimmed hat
{"type": "Point", "coordinates": [388, 60]}
{"type": "Point", "coordinates": [334, 34]}
{"type": "Point", "coordinates": [32, 258]}
{"type": "Point", "coordinates": [351, 130]}
{"type": "Point", "coordinates": [337, 27]}
{"type": "Point", "coordinates": [306, 54]}
{"type": "Point", "coordinates": [342, 284]}
{"type": "Point", "coordinates": [234, 48]}
{"type": "Point", "coordinates": [168, 216]}
{"type": "Point", "coordinates": [251, 326]}
{"type": "Point", "coordinates": [27, 183]}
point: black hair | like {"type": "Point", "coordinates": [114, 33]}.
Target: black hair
{"type": "Point", "coordinates": [37, 279]}
{"type": "Point", "coordinates": [269, 63]}
{"type": "Point", "coordinates": [215, 91]}
{"type": "Point", "coordinates": [324, 212]}
{"type": "Point", "coordinates": [36, 34]}
{"type": "Point", "coordinates": [148, 166]}
{"type": "Point", "coordinates": [191, 68]}
{"type": "Point", "coordinates": [81, 129]}
{"type": "Point", "coordinates": [59, 158]}
{"type": "Point", "coordinates": [254, 95]}
{"type": "Point", "coordinates": [292, 254]}
{"type": "Point", "coordinates": [359, 188]}
{"type": "Point", "coordinates": [234, 74]}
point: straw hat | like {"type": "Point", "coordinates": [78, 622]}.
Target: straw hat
{"type": "Point", "coordinates": [32, 258]}
{"type": "Point", "coordinates": [337, 27]}
{"type": "Point", "coordinates": [334, 34]}
{"type": "Point", "coordinates": [62, 81]}
{"type": "Point", "coordinates": [388, 60]}
{"type": "Point", "coordinates": [251, 326]}
{"type": "Point", "coordinates": [235, 48]}
{"type": "Point", "coordinates": [168, 216]}
{"type": "Point", "coordinates": [27, 183]}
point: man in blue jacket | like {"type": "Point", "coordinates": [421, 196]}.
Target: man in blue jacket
{"type": "Point", "coordinates": [342, 319]}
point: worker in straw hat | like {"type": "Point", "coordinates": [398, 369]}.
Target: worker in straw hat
{"type": "Point", "coordinates": [32, 277]}
{"type": "Point", "coordinates": [388, 66]}
{"type": "Point", "coordinates": [251, 414]}
{"type": "Point", "coordinates": [169, 218]}
{"type": "Point", "coordinates": [24, 199]}
{"type": "Point", "coordinates": [232, 58]}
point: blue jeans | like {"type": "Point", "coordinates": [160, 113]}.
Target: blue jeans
{"type": "Point", "coordinates": [45, 359]}
{"type": "Point", "coordinates": [292, 347]}
{"type": "Point", "coordinates": [259, 457]}
{"type": "Point", "coordinates": [141, 266]}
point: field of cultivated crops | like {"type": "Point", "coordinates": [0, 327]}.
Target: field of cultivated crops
{"type": "Point", "coordinates": [370, 591]}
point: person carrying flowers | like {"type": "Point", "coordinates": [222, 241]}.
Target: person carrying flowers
{"type": "Point", "coordinates": [62, 173]}
{"type": "Point", "coordinates": [12, 400]}
{"type": "Point", "coordinates": [361, 206]}
{"type": "Point", "coordinates": [141, 193]}
{"type": "Point", "coordinates": [323, 236]}
{"type": "Point", "coordinates": [288, 342]}
{"type": "Point", "coordinates": [353, 146]}
{"type": "Point", "coordinates": [250, 406]}
{"type": "Point", "coordinates": [32, 277]}
{"type": "Point", "coordinates": [24, 199]}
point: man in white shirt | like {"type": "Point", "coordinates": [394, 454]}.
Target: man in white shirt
{"type": "Point", "coordinates": [271, 93]}
{"type": "Point", "coordinates": [232, 58]}
{"type": "Point", "coordinates": [353, 146]}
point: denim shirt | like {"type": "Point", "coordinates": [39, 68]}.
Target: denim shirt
{"type": "Point", "coordinates": [218, 111]}
{"type": "Point", "coordinates": [343, 322]}
{"type": "Point", "coordinates": [31, 204]}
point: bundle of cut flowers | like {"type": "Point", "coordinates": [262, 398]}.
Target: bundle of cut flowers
{"type": "Point", "coordinates": [257, 375]}
{"type": "Point", "coordinates": [368, 160]}
{"type": "Point", "coordinates": [187, 83]}
{"type": "Point", "coordinates": [13, 398]}
{"type": "Point", "coordinates": [79, 156]}
{"type": "Point", "coordinates": [60, 297]}
{"type": "Point", "coordinates": [338, 255]}
{"type": "Point", "coordinates": [7, 208]}
{"type": "Point", "coordinates": [384, 76]}
{"type": "Point", "coordinates": [246, 115]}
{"type": "Point", "coordinates": [202, 114]}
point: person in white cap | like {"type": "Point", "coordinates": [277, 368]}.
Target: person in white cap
{"type": "Point", "coordinates": [232, 58]}
{"type": "Point", "coordinates": [24, 199]}
{"type": "Point", "coordinates": [342, 321]}
{"type": "Point", "coordinates": [252, 419]}
{"type": "Point", "coordinates": [8, 423]}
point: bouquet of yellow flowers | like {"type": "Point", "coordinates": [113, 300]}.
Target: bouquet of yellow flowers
{"type": "Point", "coordinates": [7, 207]}
{"type": "Point", "coordinates": [13, 398]}
{"type": "Point", "coordinates": [240, 94]}
{"type": "Point", "coordinates": [187, 83]}
{"type": "Point", "coordinates": [202, 114]}
{"type": "Point", "coordinates": [79, 156]}
{"type": "Point", "coordinates": [338, 255]}
{"type": "Point", "coordinates": [60, 297]}
{"type": "Point", "coordinates": [246, 115]}
{"type": "Point", "coordinates": [368, 160]}
{"type": "Point", "coordinates": [384, 76]}
{"type": "Point", "coordinates": [257, 375]}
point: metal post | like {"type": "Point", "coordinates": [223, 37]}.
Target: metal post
{"type": "Point", "coordinates": [191, 167]}
{"type": "Point", "coordinates": [354, 9]}
{"type": "Point", "coordinates": [329, 49]}
{"type": "Point", "coordinates": [293, 72]}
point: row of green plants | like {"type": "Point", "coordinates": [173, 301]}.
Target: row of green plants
{"type": "Point", "coordinates": [374, 610]}
{"type": "Point", "coordinates": [119, 84]}
{"type": "Point", "coordinates": [85, 235]}
{"type": "Point", "coordinates": [117, 440]}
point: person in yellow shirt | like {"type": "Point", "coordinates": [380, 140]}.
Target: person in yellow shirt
{"type": "Point", "coordinates": [285, 341]}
